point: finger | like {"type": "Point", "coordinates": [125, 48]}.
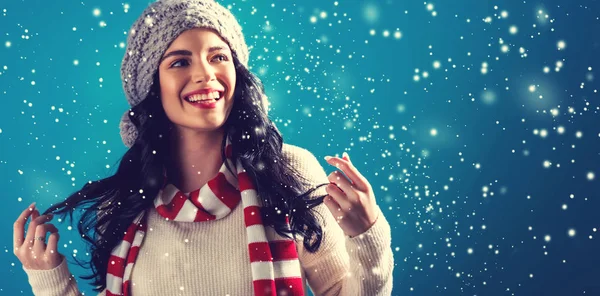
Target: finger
{"type": "Point", "coordinates": [343, 184]}
{"type": "Point", "coordinates": [346, 156]}
{"type": "Point", "coordinates": [32, 225]}
{"type": "Point", "coordinates": [35, 214]}
{"type": "Point", "coordinates": [333, 206]}
{"type": "Point", "coordinates": [52, 246]}
{"type": "Point", "coordinates": [339, 197]}
{"type": "Point", "coordinates": [348, 168]}
{"type": "Point", "coordinates": [19, 229]}
{"type": "Point", "coordinates": [39, 245]}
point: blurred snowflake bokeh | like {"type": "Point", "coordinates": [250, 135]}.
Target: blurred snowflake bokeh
{"type": "Point", "coordinates": [476, 122]}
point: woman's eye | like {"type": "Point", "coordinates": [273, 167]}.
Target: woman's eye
{"type": "Point", "coordinates": [220, 58]}
{"type": "Point", "coordinates": [179, 63]}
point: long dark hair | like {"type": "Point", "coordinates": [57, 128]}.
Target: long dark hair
{"type": "Point", "coordinates": [109, 205]}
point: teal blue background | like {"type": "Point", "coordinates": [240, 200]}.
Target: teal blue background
{"type": "Point", "coordinates": [350, 90]}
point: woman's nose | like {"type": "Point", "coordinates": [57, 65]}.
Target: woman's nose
{"type": "Point", "coordinates": [203, 72]}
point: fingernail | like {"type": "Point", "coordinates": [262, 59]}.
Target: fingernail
{"type": "Point", "coordinates": [346, 155]}
{"type": "Point", "coordinates": [327, 157]}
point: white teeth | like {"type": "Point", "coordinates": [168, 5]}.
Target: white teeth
{"type": "Point", "coordinates": [200, 97]}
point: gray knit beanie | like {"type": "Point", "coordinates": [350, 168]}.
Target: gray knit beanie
{"type": "Point", "coordinates": [151, 35]}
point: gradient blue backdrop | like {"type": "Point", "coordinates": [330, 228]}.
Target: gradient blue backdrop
{"type": "Point", "coordinates": [476, 123]}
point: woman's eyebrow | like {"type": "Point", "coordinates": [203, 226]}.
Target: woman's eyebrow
{"type": "Point", "coordinates": [185, 52]}
{"type": "Point", "coordinates": [176, 52]}
{"type": "Point", "coordinates": [215, 48]}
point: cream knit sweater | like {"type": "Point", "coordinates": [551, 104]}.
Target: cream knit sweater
{"type": "Point", "coordinates": [211, 258]}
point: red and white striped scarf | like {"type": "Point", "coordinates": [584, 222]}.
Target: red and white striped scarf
{"type": "Point", "coordinates": [273, 258]}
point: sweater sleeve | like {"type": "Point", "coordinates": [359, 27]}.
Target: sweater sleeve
{"type": "Point", "coordinates": [361, 265]}
{"type": "Point", "coordinates": [57, 281]}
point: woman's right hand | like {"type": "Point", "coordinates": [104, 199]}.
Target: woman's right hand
{"type": "Point", "coordinates": [32, 250]}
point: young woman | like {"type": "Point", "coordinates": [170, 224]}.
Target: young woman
{"type": "Point", "coordinates": [208, 200]}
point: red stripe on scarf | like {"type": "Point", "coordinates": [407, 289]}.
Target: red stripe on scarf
{"type": "Point", "coordinates": [283, 286]}
{"type": "Point", "coordinates": [127, 287]}
{"type": "Point", "coordinates": [224, 191]}
{"type": "Point", "coordinates": [201, 215]}
{"type": "Point", "coordinates": [170, 210]}
{"type": "Point", "coordinates": [289, 286]}
{"type": "Point", "coordinates": [130, 233]}
{"type": "Point", "coordinates": [252, 216]}
{"type": "Point", "coordinates": [259, 252]}
{"type": "Point", "coordinates": [283, 250]}
{"type": "Point", "coordinates": [272, 251]}
{"type": "Point", "coordinates": [141, 226]}
{"type": "Point", "coordinates": [264, 287]}
{"type": "Point", "coordinates": [132, 254]}
{"type": "Point", "coordinates": [116, 265]}
{"type": "Point", "coordinates": [244, 181]}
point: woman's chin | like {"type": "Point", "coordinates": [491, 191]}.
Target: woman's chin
{"type": "Point", "coordinates": [204, 126]}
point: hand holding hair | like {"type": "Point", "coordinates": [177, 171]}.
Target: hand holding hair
{"type": "Point", "coordinates": [32, 250]}
{"type": "Point", "coordinates": [351, 200]}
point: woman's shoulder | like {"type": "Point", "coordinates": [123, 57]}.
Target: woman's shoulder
{"type": "Point", "coordinates": [305, 162]}
{"type": "Point", "coordinates": [291, 148]}
{"type": "Point", "coordinates": [298, 155]}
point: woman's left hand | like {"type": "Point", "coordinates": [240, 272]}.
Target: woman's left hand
{"type": "Point", "coordinates": [351, 200]}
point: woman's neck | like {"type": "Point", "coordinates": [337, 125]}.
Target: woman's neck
{"type": "Point", "coordinates": [195, 158]}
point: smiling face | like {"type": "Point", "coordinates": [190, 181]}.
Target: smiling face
{"type": "Point", "coordinates": [196, 68]}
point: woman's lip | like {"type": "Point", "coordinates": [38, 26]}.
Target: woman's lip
{"type": "Point", "coordinates": [205, 105]}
